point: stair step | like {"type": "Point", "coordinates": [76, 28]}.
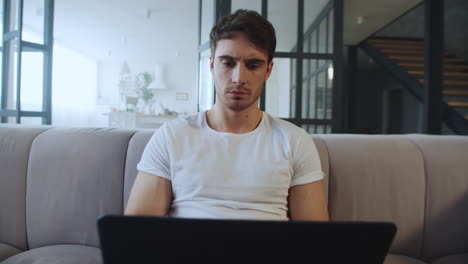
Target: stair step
{"type": "Point", "coordinates": [421, 65]}
{"type": "Point", "coordinates": [458, 104]}
{"type": "Point", "coordinates": [446, 74]}
{"type": "Point", "coordinates": [455, 92]}
{"type": "Point", "coordinates": [413, 52]}
{"type": "Point", "coordinates": [398, 46]}
{"type": "Point", "coordinates": [409, 42]}
{"type": "Point", "coordinates": [421, 58]}
{"type": "Point", "coordinates": [451, 82]}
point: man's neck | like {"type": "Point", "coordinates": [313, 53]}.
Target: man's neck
{"type": "Point", "coordinates": [238, 122]}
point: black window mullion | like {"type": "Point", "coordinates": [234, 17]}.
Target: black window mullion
{"type": "Point", "coordinates": [299, 61]}
{"type": "Point", "coordinates": [47, 78]}
{"type": "Point", "coordinates": [316, 76]}
{"type": "Point", "coordinates": [5, 61]}
{"type": "Point", "coordinates": [19, 62]}
{"type": "Point", "coordinates": [264, 91]}
{"type": "Point", "coordinates": [309, 41]}
{"type": "Point", "coordinates": [200, 10]}
{"type": "Point", "coordinates": [325, 91]}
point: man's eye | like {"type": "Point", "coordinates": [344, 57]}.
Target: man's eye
{"type": "Point", "coordinates": [228, 63]}
{"type": "Point", "coordinates": [253, 66]}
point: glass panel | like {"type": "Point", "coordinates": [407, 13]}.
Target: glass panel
{"type": "Point", "coordinates": [279, 89]}
{"type": "Point", "coordinates": [283, 15]}
{"type": "Point", "coordinates": [317, 87]}
{"type": "Point", "coordinates": [1, 75]}
{"type": "Point", "coordinates": [323, 36]}
{"type": "Point", "coordinates": [312, 10]}
{"type": "Point", "coordinates": [31, 120]}
{"type": "Point", "coordinates": [255, 5]}
{"type": "Point", "coordinates": [32, 81]}
{"type": "Point", "coordinates": [12, 74]}
{"type": "Point", "coordinates": [1, 21]}
{"type": "Point", "coordinates": [314, 42]}
{"type": "Point", "coordinates": [330, 35]}
{"type": "Point", "coordinates": [307, 43]}
{"type": "Point", "coordinates": [33, 21]}
{"type": "Point", "coordinates": [317, 129]}
{"type": "Point", "coordinates": [13, 15]}
{"type": "Point", "coordinates": [329, 91]}
{"type": "Point", "coordinates": [207, 20]}
{"type": "Point", "coordinates": [206, 84]}
{"type": "Point", "coordinates": [11, 120]}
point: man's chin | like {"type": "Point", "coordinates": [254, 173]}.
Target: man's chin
{"type": "Point", "coordinates": [238, 106]}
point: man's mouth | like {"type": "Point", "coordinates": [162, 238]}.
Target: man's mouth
{"type": "Point", "coordinates": [237, 92]}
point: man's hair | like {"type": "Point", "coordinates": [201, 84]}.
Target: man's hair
{"type": "Point", "coordinates": [256, 28]}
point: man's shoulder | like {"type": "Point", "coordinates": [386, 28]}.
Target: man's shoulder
{"type": "Point", "coordinates": [283, 126]}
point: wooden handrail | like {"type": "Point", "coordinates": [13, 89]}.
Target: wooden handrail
{"type": "Point", "coordinates": [455, 92]}
{"type": "Point", "coordinates": [451, 82]}
{"type": "Point", "coordinates": [458, 104]}
{"type": "Point", "coordinates": [421, 58]}
{"type": "Point", "coordinates": [448, 66]}
{"type": "Point", "coordinates": [446, 74]}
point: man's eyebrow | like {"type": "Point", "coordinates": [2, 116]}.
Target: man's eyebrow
{"type": "Point", "coordinates": [226, 57]}
{"type": "Point", "coordinates": [253, 60]}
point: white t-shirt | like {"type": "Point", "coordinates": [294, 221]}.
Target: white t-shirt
{"type": "Point", "coordinates": [227, 175]}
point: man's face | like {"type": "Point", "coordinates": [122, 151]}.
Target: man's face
{"type": "Point", "coordinates": [239, 70]}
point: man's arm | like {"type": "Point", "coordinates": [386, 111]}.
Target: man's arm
{"type": "Point", "coordinates": [307, 202]}
{"type": "Point", "coordinates": [150, 195]}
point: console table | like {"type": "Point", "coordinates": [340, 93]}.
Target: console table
{"type": "Point", "coordinates": [120, 119]}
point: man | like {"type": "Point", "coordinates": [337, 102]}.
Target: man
{"type": "Point", "coordinates": [233, 161]}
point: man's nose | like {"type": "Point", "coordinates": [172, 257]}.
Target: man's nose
{"type": "Point", "coordinates": [239, 74]}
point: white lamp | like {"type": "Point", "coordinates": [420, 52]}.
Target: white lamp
{"type": "Point", "coordinates": [158, 78]}
{"type": "Point", "coordinates": [330, 72]}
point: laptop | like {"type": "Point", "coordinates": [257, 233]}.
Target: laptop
{"type": "Point", "coordinates": [149, 239]}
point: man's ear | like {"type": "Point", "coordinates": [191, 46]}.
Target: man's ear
{"type": "Point", "coordinates": [269, 70]}
{"type": "Point", "coordinates": [211, 64]}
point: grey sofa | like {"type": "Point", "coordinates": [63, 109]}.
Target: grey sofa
{"type": "Point", "coordinates": [55, 182]}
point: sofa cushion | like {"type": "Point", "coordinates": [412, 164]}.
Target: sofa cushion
{"type": "Point", "coordinates": [15, 144]}
{"type": "Point", "coordinates": [379, 178]}
{"type": "Point", "coordinates": [74, 176]}
{"type": "Point", "coordinates": [323, 154]}
{"type": "Point", "coordinates": [135, 149]}
{"type": "Point", "coordinates": [446, 225]}
{"type": "Point", "coordinates": [400, 259]}
{"type": "Point", "coordinates": [453, 259]}
{"type": "Point", "coordinates": [59, 254]}
{"type": "Point", "coordinates": [7, 251]}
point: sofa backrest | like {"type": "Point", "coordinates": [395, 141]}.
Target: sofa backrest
{"type": "Point", "coordinates": [446, 197]}
{"type": "Point", "coordinates": [74, 176]}
{"type": "Point", "coordinates": [378, 178]}
{"type": "Point", "coordinates": [55, 182]}
{"type": "Point", "coordinates": [15, 145]}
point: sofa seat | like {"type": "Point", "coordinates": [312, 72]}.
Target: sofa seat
{"type": "Point", "coordinates": [7, 251]}
{"type": "Point", "coordinates": [63, 254]}
{"type": "Point", "coordinates": [400, 259]}
{"type": "Point", "coordinates": [452, 259]}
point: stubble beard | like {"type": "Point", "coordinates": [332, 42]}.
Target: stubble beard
{"type": "Point", "coordinates": [238, 104]}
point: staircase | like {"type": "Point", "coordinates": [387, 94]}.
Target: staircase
{"type": "Point", "coordinates": [404, 59]}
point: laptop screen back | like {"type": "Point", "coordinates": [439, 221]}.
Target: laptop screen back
{"type": "Point", "coordinates": [142, 239]}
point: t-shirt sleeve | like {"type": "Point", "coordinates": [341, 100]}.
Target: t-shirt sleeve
{"type": "Point", "coordinates": [155, 157]}
{"type": "Point", "coordinates": [306, 162]}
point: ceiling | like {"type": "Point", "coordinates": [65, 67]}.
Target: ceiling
{"type": "Point", "coordinates": [376, 13]}
{"type": "Point", "coordinates": [106, 28]}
